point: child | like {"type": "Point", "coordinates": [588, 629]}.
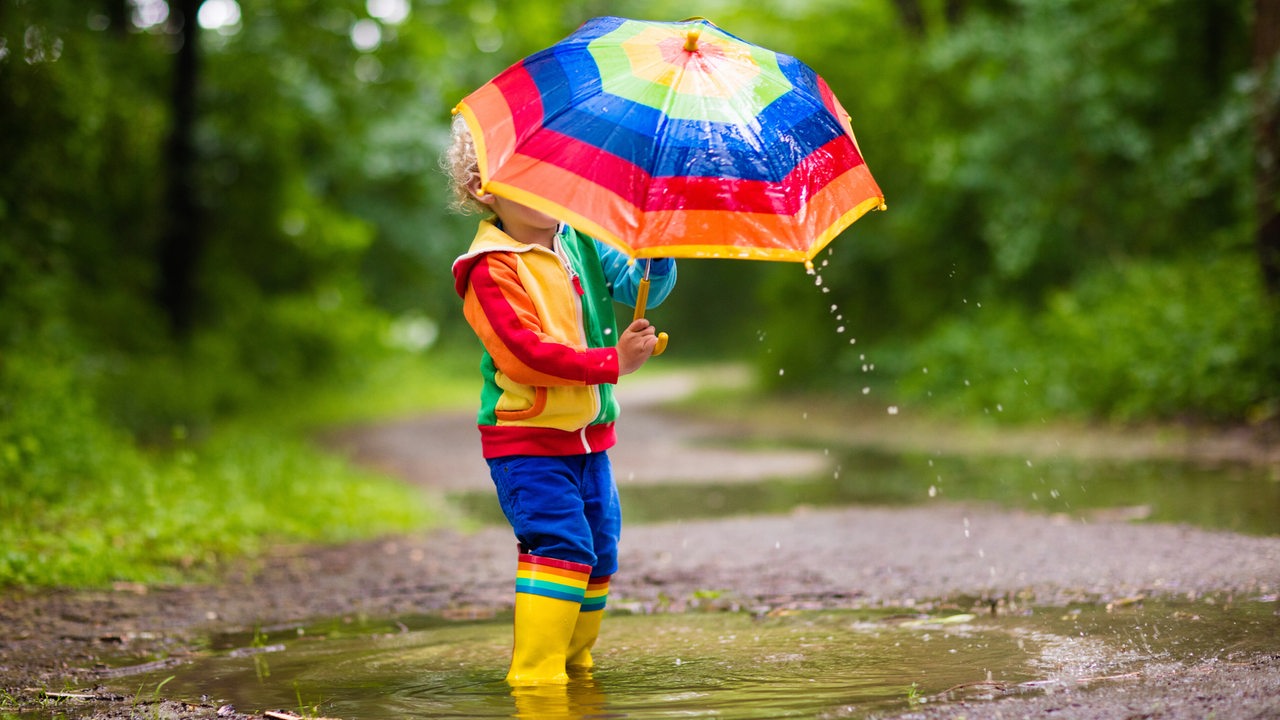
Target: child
{"type": "Point", "coordinates": [539, 295]}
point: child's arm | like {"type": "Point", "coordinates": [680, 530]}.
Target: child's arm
{"type": "Point", "coordinates": [624, 276]}
{"type": "Point", "coordinates": [497, 306]}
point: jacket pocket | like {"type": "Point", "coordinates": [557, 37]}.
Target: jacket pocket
{"type": "Point", "coordinates": [534, 410]}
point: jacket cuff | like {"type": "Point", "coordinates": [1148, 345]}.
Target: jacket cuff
{"type": "Point", "coordinates": [661, 266]}
{"type": "Point", "coordinates": [602, 366]}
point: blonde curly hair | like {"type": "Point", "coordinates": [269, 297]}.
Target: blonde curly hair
{"type": "Point", "coordinates": [460, 164]}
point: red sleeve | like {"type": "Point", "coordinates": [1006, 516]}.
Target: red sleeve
{"type": "Point", "coordinates": [503, 316]}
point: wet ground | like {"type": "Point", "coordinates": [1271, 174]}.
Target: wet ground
{"type": "Point", "coordinates": [1056, 573]}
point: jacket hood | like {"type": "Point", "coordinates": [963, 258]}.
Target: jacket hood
{"type": "Point", "coordinates": [488, 239]}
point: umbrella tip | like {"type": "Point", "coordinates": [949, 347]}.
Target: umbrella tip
{"type": "Point", "coordinates": [691, 39]}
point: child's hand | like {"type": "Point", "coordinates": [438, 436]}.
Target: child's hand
{"type": "Point", "coordinates": [635, 346]}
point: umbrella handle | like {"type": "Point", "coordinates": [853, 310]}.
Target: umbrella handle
{"type": "Point", "coordinates": [642, 299]}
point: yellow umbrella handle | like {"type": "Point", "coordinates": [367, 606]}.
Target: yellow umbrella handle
{"type": "Point", "coordinates": [642, 299]}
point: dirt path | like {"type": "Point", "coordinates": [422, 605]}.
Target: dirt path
{"type": "Point", "coordinates": [833, 558]}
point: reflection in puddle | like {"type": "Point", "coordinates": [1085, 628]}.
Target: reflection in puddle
{"type": "Point", "coordinates": [727, 665]}
{"type": "Point", "coordinates": [1229, 497]}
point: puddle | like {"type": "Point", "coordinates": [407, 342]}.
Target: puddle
{"type": "Point", "coordinates": [726, 665]}
{"type": "Point", "coordinates": [1227, 497]}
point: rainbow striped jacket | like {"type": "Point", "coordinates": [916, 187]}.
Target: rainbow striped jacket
{"type": "Point", "coordinates": [546, 321]}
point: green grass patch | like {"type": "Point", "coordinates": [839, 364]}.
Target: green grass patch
{"type": "Point", "coordinates": [181, 515]}
{"type": "Point", "coordinates": [83, 504]}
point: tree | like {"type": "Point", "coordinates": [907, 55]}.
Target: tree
{"type": "Point", "coordinates": [1266, 65]}
{"type": "Point", "coordinates": [182, 242]}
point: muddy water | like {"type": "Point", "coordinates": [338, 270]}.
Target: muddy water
{"type": "Point", "coordinates": [727, 665]}
{"type": "Point", "coordinates": [798, 664]}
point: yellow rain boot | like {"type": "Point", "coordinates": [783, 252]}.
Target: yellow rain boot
{"type": "Point", "coordinates": [588, 627]}
{"type": "Point", "coordinates": [548, 597]}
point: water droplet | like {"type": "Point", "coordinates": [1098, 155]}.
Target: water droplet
{"type": "Point", "coordinates": [893, 409]}
{"type": "Point", "coordinates": [866, 390]}
{"type": "Point", "coordinates": [781, 372]}
{"type": "Point", "coordinates": [840, 329]}
{"type": "Point", "coordinates": [817, 279]}
{"type": "Point", "coordinates": [925, 370]}
{"type": "Point", "coordinates": [933, 491]}
{"type": "Point", "coordinates": [608, 331]}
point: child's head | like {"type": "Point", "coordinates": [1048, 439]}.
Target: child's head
{"type": "Point", "coordinates": [460, 164]}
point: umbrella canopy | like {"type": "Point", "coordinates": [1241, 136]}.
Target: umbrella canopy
{"type": "Point", "coordinates": [673, 139]}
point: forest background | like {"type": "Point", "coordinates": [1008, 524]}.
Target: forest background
{"type": "Point", "coordinates": [223, 225]}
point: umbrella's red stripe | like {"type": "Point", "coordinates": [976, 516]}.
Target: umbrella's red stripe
{"type": "Point", "coordinates": [634, 186]}
{"type": "Point", "coordinates": [497, 141]}
{"type": "Point", "coordinates": [789, 237]}
{"type": "Point", "coordinates": [507, 108]}
{"type": "Point", "coordinates": [588, 162]}
{"type": "Point", "coordinates": [786, 197]}
{"type": "Point", "coordinates": [829, 99]}
{"type": "Point", "coordinates": [523, 98]}
{"type": "Point", "coordinates": [730, 231]}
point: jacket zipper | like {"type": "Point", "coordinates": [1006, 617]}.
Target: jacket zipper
{"type": "Point", "coordinates": [576, 284]}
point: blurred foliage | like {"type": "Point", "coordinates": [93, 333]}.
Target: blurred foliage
{"type": "Point", "coordinates": [1080, 169]}
{"type": "Point", "coordinates": [1183, 338]}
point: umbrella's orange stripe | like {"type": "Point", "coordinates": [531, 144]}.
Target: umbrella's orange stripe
{"type": "Point", "coordinates": [692, 233]}
{"type": "Point", "coordinates": [634, 184]}
{"type": "Point", "coordinates": [787, 196]}
{"type": "Point", "coordinates": [493, 147]}
{"type": "Point", "coordinates": [498, 114]}
{"type": "Point", "coordinates": [586, 161]}
{"type": "Point", "coordinates": [700, 233]}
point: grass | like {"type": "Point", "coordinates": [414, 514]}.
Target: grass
{"type": "Point", "coordinates": [90, 508]}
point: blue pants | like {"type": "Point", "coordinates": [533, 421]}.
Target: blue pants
{"type": "Point", "coordinates": [563, 507]}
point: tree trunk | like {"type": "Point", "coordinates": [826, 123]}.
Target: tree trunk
{"type": "Point", "coordinates": [183, 239]}
{"type": "Point", "coordinates": [911, 15]}
{"type": "Point", "coordinates": [1266, 63]}
{"type": "Point", "coordinates": [118, 16]}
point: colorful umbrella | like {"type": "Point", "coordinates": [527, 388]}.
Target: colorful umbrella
{"type": "Point", "coordinates": [673, 139]}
